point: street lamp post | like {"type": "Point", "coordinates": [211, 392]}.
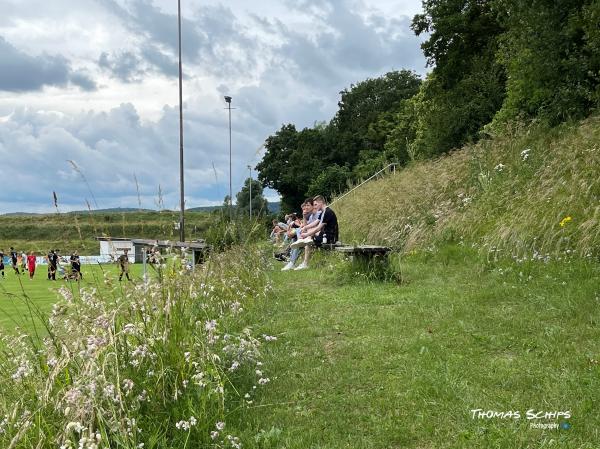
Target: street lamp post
{"type": "Point", "coordinates": [228, 101]}
{"type": "Point", "coordinates": [250, 183]}
{"type": "Point", "coordinates": [182, 202]}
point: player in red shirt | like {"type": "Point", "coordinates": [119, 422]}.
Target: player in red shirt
{"type": "Point", "coordinates": [31, 264]}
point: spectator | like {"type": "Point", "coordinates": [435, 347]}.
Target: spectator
{"type": "Point", "coordinates": [279, 229]}
{"type": "Point", "coordinates": [324, 232]}
{"type": "Point", "coordinates": [307, 216]}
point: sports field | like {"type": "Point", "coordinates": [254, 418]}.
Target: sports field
{"type": "Point", "coordinates": [22, 298]}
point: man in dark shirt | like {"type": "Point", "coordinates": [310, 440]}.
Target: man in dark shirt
{"type": "Point", "coordinates": [123, 262]}
{"type": "Point", "coordinates": [14, 260]}
{"type": "Point", "coordinates": [2, 262]}
{"type": "Point", "coordinates": [52, 264]}
{"type": "Point", "coordinates": [324, 233]}
{"type": "Point", "coordinates": [75, 266]}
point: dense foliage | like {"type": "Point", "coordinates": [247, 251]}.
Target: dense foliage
{"type": "Point", "coordinates": [494, 63]}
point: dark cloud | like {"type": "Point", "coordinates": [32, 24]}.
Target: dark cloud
{"type": "Point", "coordinates": [124, 66]}
{"type": "Point", "coordinates": [163, 62]}
{"type": "Point", "coordinates": [213, 39]}
{"type": "Point", "coordinates": [20, 72]}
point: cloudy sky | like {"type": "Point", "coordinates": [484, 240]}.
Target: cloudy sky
{"type": "Point", "coordinates": [89, 90]}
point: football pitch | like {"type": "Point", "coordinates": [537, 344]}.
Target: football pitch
{"type": "Point", "coordinates": [22, 299]}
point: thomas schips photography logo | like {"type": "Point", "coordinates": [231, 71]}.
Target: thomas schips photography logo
{"type": "Point", "coordinates": [538, 419]}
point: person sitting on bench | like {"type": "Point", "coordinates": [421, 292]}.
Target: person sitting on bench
{"type": "Point", "coordinates": [296, 229]}
{"type": "Point", "coordinates": [324, 232]}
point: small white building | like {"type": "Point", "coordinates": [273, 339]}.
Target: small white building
{"type": "Point", "coordinates": [112, 247]}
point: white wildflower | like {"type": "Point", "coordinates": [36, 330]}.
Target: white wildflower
{"type": "Point", "coordinates": [66, 293]}
{"type": "Point", "coordinates": [210, 325]}
{"type": "Point", "coordinates": [128, 385]}
{"type": "Point", "coordinates": [129, 328]}
{"type": "Point", "coordinates": [75, 426]}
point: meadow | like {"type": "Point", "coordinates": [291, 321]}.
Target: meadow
{"type": "Point", "coordinates": [386, 365]}
{"type": "Point", "coordinates": [371, 364]}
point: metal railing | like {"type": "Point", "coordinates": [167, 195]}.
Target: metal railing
{"type": "Point", "coordinates": [393, 165]}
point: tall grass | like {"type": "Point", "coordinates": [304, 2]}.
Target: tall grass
{"type": "Point", "coordinates": [533, 193]}
{"type": "Point", "coordinates": [152, 365]}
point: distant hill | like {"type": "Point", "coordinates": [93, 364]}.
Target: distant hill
{"type": "Point", "coordinates": [79, 212]}
{"type": "Point", "coordinates": [273, 208]}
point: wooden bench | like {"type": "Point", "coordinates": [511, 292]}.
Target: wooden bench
{"type": "Point", "coordinates": [370, 260]}
{"type": "Point", "coordinates": [365, 253]}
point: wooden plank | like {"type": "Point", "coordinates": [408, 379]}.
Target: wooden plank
{"type": "Point", "coordinates": [364, 249]}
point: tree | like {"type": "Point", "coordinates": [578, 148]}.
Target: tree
{"type": "Point", "coordinates": [550, 53]}
{"type": "Point", "coordinates": [292, 159]}
{"type": "Point", "coordinates": [260, 205]}
{"type": "Point", "coordinates": [361, 108]}
{"type": "Point", "coordinates": [467, 84]}
{"type": "Point", "coordinates": [332, 180]}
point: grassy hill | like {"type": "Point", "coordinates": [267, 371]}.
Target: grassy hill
{"type": "Point", "coordinates": [533, 193]}
{"type": "Point", "coordinates": [78, 230]}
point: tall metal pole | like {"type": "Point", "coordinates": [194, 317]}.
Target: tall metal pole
{"type": "Point", "coordinates": [182, 202]}
{"type": "Point", "coordinates": [250, 169]}
{"type": "Point", "coordinates": [228, 100]}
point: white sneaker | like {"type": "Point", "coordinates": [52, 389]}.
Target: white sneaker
{"type": "Point", "coordinates": [288, 266]}
{"type": "Point", "coordinates": [301, 242]}
{"type": "Point", "coordinates": [302, 266]}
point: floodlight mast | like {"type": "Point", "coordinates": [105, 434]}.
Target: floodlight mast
{"type": "Point", "coordinates": [250, 170]}
{"type": "Point", "coordinates": [228, 101]}
{"type": "Point", "coordinates": [181, 191]}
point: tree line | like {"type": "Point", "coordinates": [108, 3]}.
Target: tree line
{"type": "Point", "coordinates": [493, 63]}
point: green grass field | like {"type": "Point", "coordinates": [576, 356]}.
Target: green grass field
{"type": "Point", "coordinates": [19, 295]}
{"type": "Point", "coordinates": [363, 364]}
{"type": "Point", "coordinates": [381, 365]}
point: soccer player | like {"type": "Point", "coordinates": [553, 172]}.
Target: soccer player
{"type": "Point", "coordinates": [31, 265]}
{"type": "Point", "coordinates": [75, 266]}
{"type": "Point", "coordinates": [123, 262]}
{"type": "Point", "coordinates": [15, 260]}
{"type": "Point", "coordinates": [2, 262]}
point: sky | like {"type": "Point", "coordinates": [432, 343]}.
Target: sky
{"type": "Point", "coordinates": [89, 100]}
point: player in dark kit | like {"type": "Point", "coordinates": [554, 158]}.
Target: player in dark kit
{"type": "Point", "coordinates": [52, 264]}
{"type": "Point", "coordinates": [75, 266]}
{"type": "Point", "coordinates": [123, 262]}
{"type": "Point", "coordinates": [14, 260]}
{"type": "Point", "coordinates": [2, 262]}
